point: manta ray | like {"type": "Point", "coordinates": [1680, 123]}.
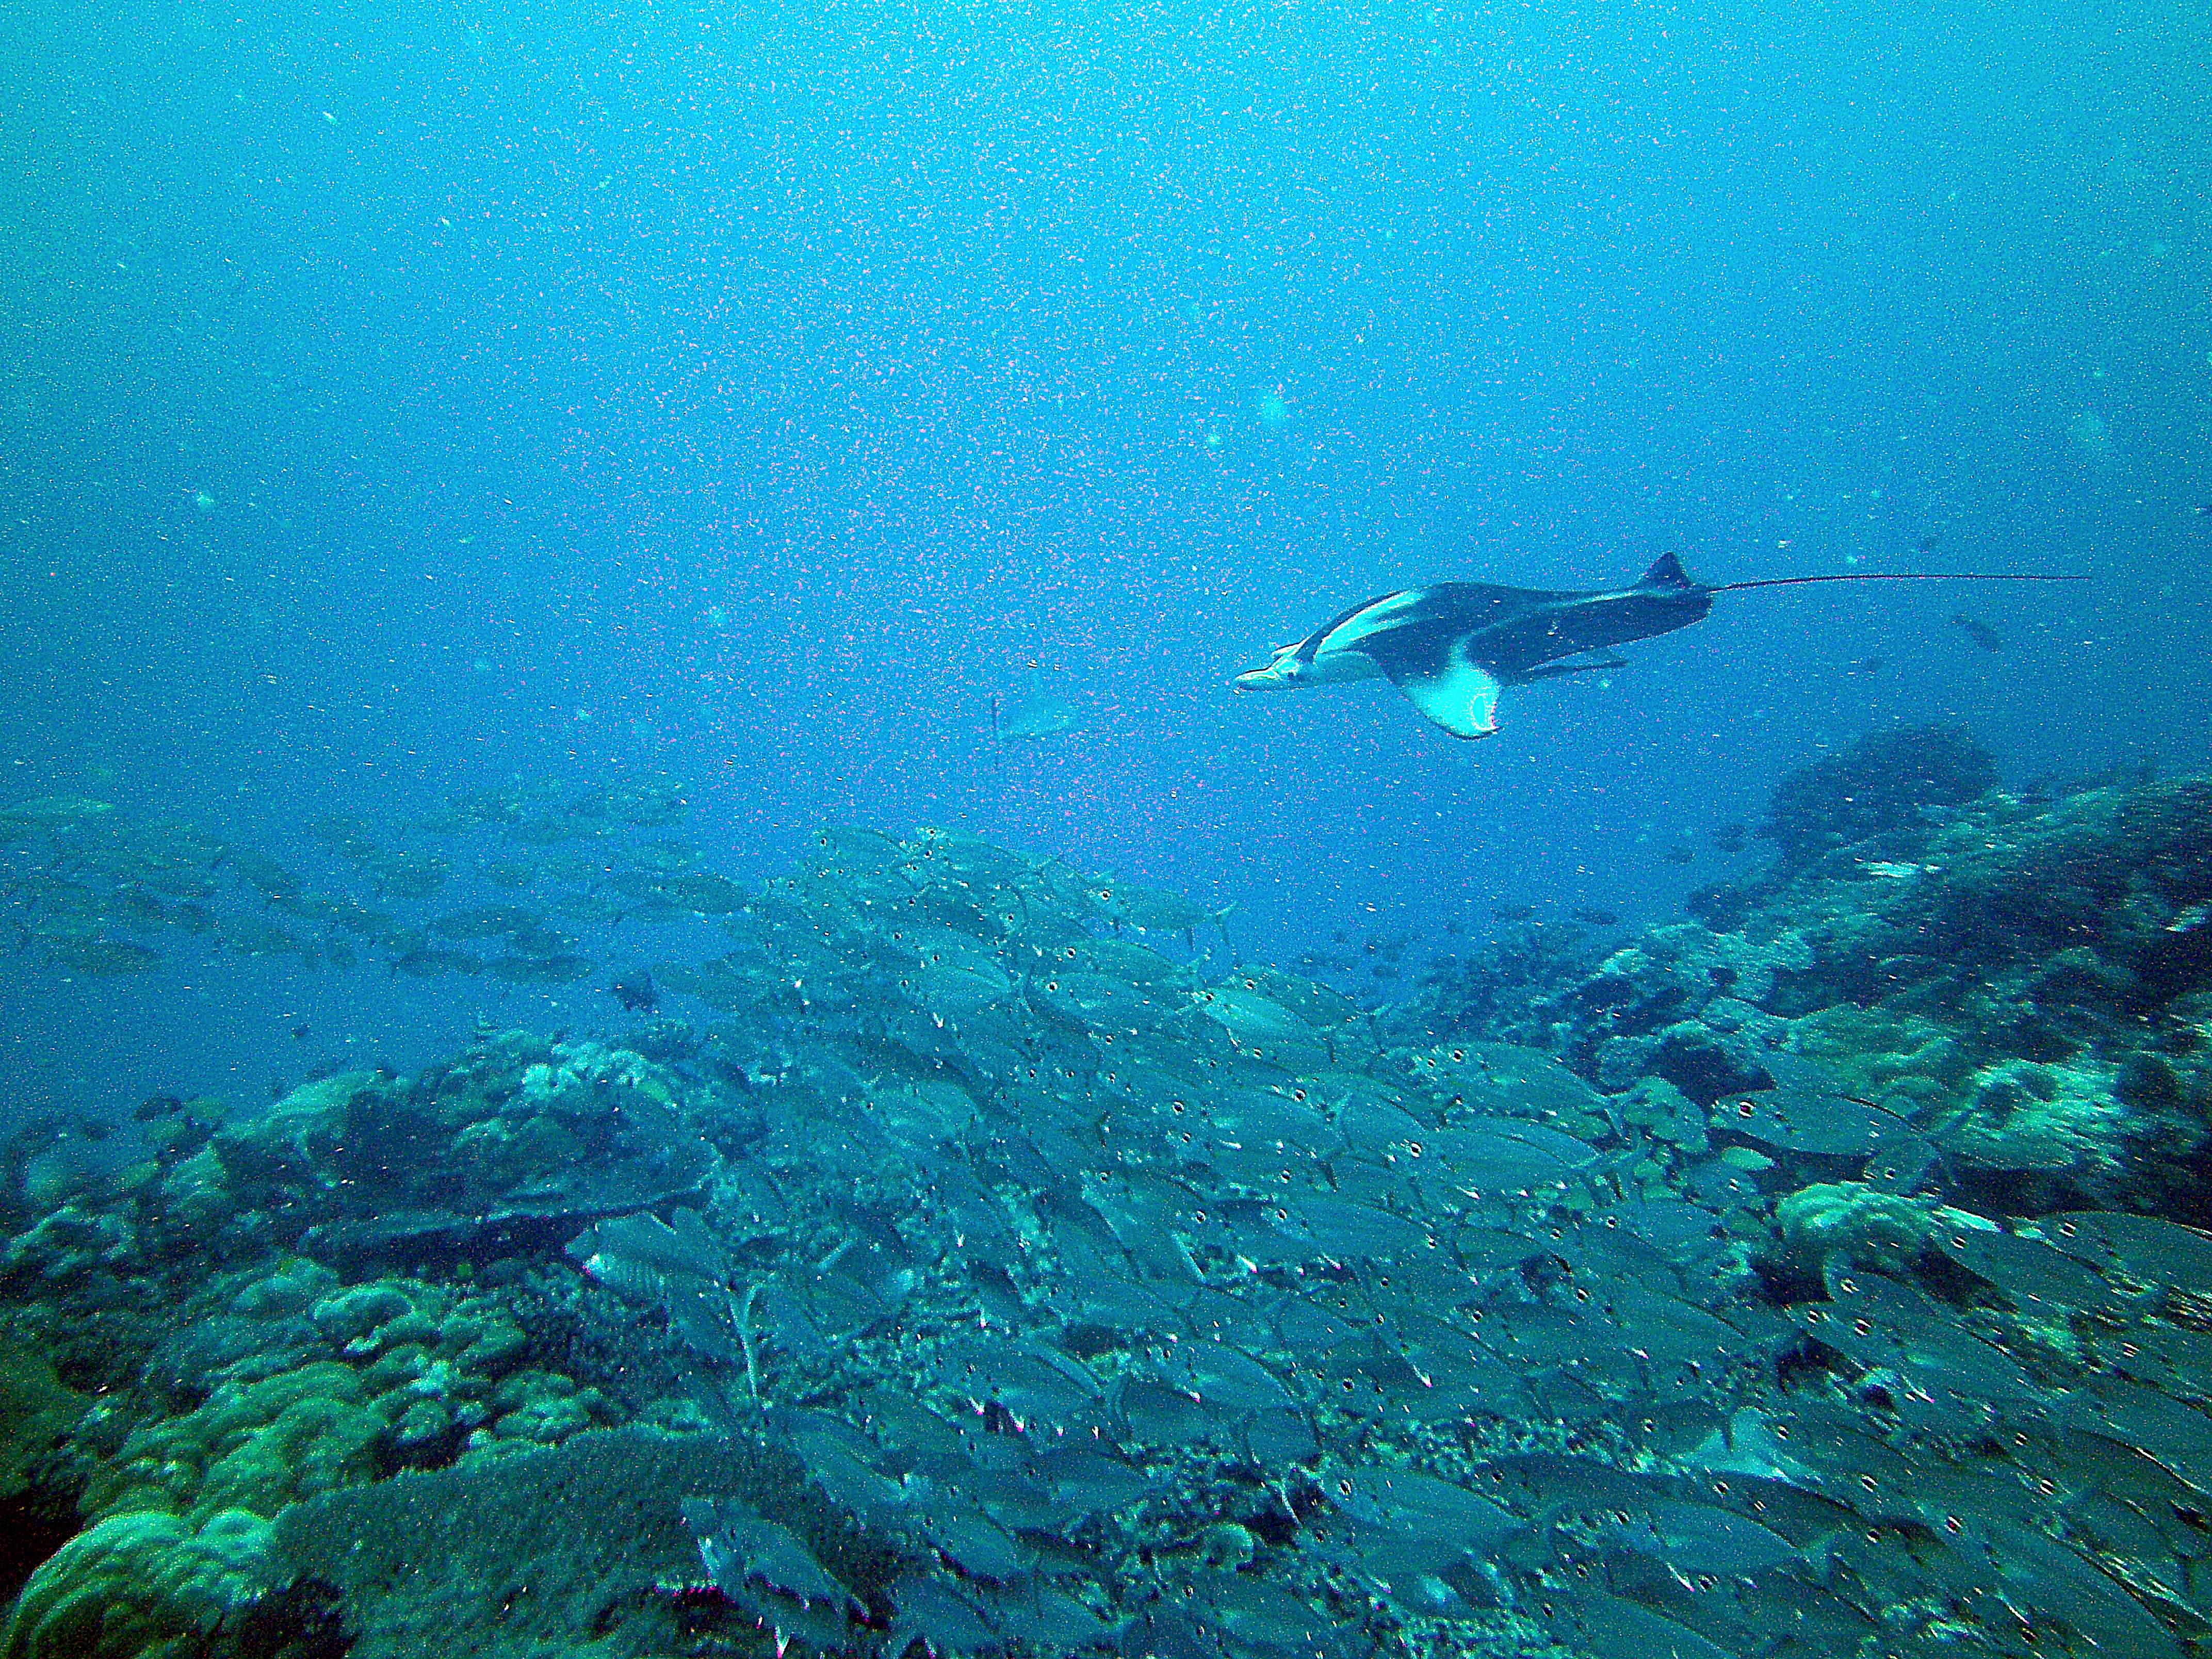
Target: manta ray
{"type": "Point", "coordinates": [1452, 647]}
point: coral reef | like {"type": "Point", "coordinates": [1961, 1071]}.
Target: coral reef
{"type": "Point", "coordinates": [527, 1550]}
{"type": "Point", "coordinates": [1882, 792]}
{"type": "Point", "coordinates": [142, 1586]}
{"type": "Point", "coordinates": [990, 1280]}
{"type": "Point", "coordinates": [1859, 1225]}
{"type": "Point", "coordinates": [518, 1132]}
{"type": "Point", "coordinates": [310, 1395]}
{"type": "Point", "coordinates": [254, 1447]}
{"type": "Point", "coordinates": [41, 1469]}
{"type": "Point", "coordinates": [2023, 980]}
{"type": "Point", "coordinates": [37, 1412]}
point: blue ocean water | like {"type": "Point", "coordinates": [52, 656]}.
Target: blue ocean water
{"type": "Point", "coordinates": [401, 400]}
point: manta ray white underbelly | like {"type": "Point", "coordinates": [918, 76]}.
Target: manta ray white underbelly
{"type": "Point", "coordinates": [1449, 686]}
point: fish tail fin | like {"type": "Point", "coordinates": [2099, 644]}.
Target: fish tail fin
{"type": "Point", "coordinates": [1667, 575]}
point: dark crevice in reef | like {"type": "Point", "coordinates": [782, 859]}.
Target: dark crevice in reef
{"type": "Point", "coordinates": [34, 1524]}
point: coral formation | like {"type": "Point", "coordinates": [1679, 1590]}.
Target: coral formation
{"type": "Point", "coordinates": [253, 1448]}
{"type": "Point", "coordinates": [141, 1586]}
{"type": "Point", "coordinates": [989, 1279]}
{"type": "Point", "coordinates": [1881, 792]}
{"type": "Point", "coordinates": [42, 1465]}
{"type": "Point", "coordinates": [1860, 1225]}
{"type": "Point", "coordinates": [497, 1557]}
{"type": "Point", "coordinates": [314, 1395]}
{"type": "Point", "coordinates": [37, 1411]}
{"type": "Point", "coordinates": [518, 1132]}
{"type": "Point", "coordinates": [2020, 979]}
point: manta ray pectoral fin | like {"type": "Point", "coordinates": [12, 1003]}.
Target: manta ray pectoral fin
{"type": "Point", "coordinates": [1592, 664]}
{"type": "Point", "coordinates": [1462, 698]}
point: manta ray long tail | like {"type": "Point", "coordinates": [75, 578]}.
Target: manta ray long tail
{"type": "Point", "coordinates": [1890, 577]}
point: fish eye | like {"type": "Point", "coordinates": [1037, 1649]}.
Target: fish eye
{"type": "Point", "coordinates": [1458, 1055]}
{"type": "Point", "coordinates": [1868, 1483]}
{"type": "Point", "coordinates": [1069, 952]}
{"type": "Point", "coordinates": [2066, 1229]}
{"type": "Point", "coordinates": [1176, 1106]}
{"type": "Point", "coordinates": [1414, 1148]}
{"type": "Point", "coordinates": [1747, 1108]}
{"type": "Point", "coordinates": [1251, 984]}
{"type": "Point", "coordinates": [1344, 1486]}
{"type": "Point", "coordinates": [1953, 1524]}
{"type": "Point", "coordinates": [1849, 1287]}
{"type": "Point", "coordinates": [1052, 985]}
{"type": "Point", "coordinates": [1298, 1095]}
{"type": "Point", "coordinates": [1863, 1327]}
